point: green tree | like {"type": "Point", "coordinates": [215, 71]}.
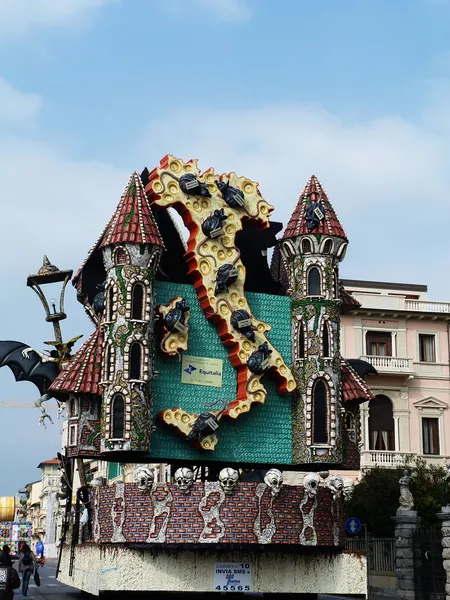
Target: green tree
{"type": "Point", "coordinates": [376, 497]}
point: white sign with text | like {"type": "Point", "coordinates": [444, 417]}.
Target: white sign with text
{"type": "Point", "coordinates": [232, 577]}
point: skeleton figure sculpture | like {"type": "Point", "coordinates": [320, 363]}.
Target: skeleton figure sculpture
{"type": "Point", "coordinates": [184, 479]}
{"type": "Point", "coordinates": [228, 479]}
{"type": "Point", "coordinates": [349, 488]}
{"type": "Point", "coordinates": [274, 479]}
{"type": "Point", "coordinates": [311, 483]}
{"type": "Point", "coordinates": [336, 484]}
{"type": "Point", "coordinates": [145, 479]}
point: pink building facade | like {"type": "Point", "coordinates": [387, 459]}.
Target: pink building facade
{"type": "Point", "coordinates": [406, 337]}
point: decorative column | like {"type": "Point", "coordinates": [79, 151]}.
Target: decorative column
{"type": "Point", "coordinates": [405, 525]}
{"type": "Point", "coordinates": [396, 434]}
{"type": "Point", "coordinates": [444, 517]}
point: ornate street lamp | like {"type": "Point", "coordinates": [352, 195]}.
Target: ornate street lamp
{"type": "Point", "coordinates": [48, 273]}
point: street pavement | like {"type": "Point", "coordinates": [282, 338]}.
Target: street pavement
{"type": "Point", "coordinates": [50, 589]}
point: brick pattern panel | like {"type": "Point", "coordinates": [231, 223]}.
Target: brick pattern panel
{"type": "Point", "coordinates": [229, 519]}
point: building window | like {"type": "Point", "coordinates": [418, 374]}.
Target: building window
{"type": "Point", "coordinates": [72, 407]}
{"type": "Point", "coordinates": [381, 424]}
{"type": "Point", "coordinates": [328, 246]}
{"type": "Point", "coordinates": [430, 435]}
{"type": "Point", "coordinates": [135, 368]}
{"type": "Point", "coordinates": [314, 286]}
{"type": "Point", "coordinates": [301, 341]}
{"type": "Point", "coordinates": [320, 424]}
{"type": "Point", "coordinates": [118, 417]}
{"type": "Point", "coordinates": [350, 426]}
{"type": "Point", "coordinates": [137, 302]}
{"type": "Point", "coordinates": [427, 348]}
{"type": "Point", "coordinates": [379, 343]}
{"type": "Point", "coordinates": [114, 470]}
{"type": "Point", "coordinates": [306, 246]}
{"type": "Point", "coordinates": [325, 340]}
{"type": "Point", "coordinates": [110, 304]}
{"type": "Point", "coordinates": [121, 257]}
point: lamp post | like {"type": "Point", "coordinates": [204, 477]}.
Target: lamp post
{"type": "Point", "coordinates": [48, 273]}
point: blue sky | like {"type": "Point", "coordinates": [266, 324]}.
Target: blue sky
{"type": "Point", "coordinates": [355, 92]}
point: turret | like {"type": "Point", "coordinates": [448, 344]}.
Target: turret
{"type": "Point", "coordinates": [313, 244]}
{"type": "Point", "coordinates": [131, 246]}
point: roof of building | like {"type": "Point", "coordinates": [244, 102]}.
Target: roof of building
{"type": "Point", "coordinates": [329, 225]}
{"type": "Point", "coordinates": [82, 373]}
{"type": "Point", "coordinates": [47, 463]}
{"type": "Point", "coordinates": [353, 386]}
{"type": "Point", "coordinates": [132, 222]}
{"type": "Point", "coordinates": [385, 285]}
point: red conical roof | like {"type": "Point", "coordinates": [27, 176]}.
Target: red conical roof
{"type": "Point", "coordinates": [83, 372]}
{"type": "Point", "coordinates": [133, 220]}
{"type": "Point", "coordinates": [329, 225]}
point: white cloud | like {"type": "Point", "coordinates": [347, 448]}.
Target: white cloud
{"type": "Point", "coordinates": [387, 178]}
{"type": "Point", "coordinates": [229, 11]}
{"type": "Point", "coordinates": [16, 106]}
{"type": "Point", "coordinates": [19, 16]}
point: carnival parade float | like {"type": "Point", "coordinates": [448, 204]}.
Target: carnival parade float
{"type": "Point", "coordinates": [207, 358]}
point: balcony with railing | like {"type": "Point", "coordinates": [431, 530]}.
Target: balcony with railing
{"type": "Point", "coordinates": [392, 365]}
{"type": "Point", "coordinates": [426, 306]}
{"type": "Point", "coordinates": [393, 459]}
{"type": "Point", "coordinates": [385, 458]}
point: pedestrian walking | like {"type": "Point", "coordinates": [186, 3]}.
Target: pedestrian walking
{"type": "Point", "coordinates": [27, 566]}
{"type": "Point", "coordinates": [9, 579]}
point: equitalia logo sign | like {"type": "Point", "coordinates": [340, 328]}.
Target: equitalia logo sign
{"type": "Point", "coordinates": [201, 370]}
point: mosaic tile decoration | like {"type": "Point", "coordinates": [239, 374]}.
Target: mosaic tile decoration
{"type": "Point", "coordinates": [270, 424]}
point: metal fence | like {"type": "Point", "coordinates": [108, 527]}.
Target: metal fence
{"type": "Point", "coordinates": [380, 552]}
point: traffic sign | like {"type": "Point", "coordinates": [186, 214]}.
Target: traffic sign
{"type": "Point", "coordinates": [353, 525]}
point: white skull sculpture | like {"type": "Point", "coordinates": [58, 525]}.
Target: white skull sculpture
{"type": "Point", "coordinates": [274, 479]}
{"type": "Point", "coordinates": [98, 482]}
{"type": "Point", "coordinates": [311, 483]}
{"type": "Point", "coordinates": [144, 479]}
{"type": "Point", "coordinates": [228, 479]}
{"type": "Point", "coordinates": [349, 488]}
{"type": "Point", "coordinates": [336, 484]}
{"type": "Point", "coordinates": [184, 478]}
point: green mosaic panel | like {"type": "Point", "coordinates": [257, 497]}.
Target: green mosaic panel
{"type": "Point", "coordinates": [263, 435]}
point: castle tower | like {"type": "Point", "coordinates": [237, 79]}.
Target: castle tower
{"type": "Point", "coordinates": [313, 244]}
{"type": "Point", "coordinates": [131, 246]}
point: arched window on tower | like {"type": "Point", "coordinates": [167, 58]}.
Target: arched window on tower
{"type": "Point", "coordinates": [118, 417]}
{"type": "Point", "coordinates": [326, 340]}
{"type": "Point", "coordinates": [137, 302]}
{"type": "Point", "coordinates": [335, 283]}
{"type": "Point", "coordinates": [108, 363]}
{"type": "Point", "coordinates": [73, 407]}
{"type": "Point", "coordinates": [381, 424]}
{"type": "Point", "coordinates": [289, 252]}
{"type": "Point", "coordinates": [121, 257]}
{"type": "Point", "coordinates": [320, 410]}
{"type": "Point", "coordinates": [306, 246]}
{"type": "Point", "coordinates": [110, 307]}
{"type": "Point", "coordinates": [314, 285]}
{"type": "Point", "coordinates": [327, 247]}
{"type": "Point", "coordinates": [301, 340]}
{"type": "Point", "coordinates": [135, 362]}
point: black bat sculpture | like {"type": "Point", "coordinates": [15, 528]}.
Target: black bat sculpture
{"type": "Point", "coordinates": [33, 368]}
